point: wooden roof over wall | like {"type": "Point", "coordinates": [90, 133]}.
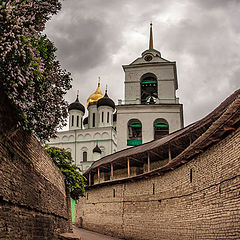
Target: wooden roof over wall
{"type": "Point", "coordinates": [185, 143]}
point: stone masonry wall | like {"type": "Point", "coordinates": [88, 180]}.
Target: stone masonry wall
{"type": "Point", "coordinates": [173, 206]}
{"type": "Point", "coordinates": [32, 191]}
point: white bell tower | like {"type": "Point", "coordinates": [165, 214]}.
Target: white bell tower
{"type": "Point", "coordinates": [150, 109]}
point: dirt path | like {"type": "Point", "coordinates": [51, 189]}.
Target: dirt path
{"type": "Point", "coordinates": [89, 235]}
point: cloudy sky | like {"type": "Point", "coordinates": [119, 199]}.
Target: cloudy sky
{"type": "Point", "coordinates": [96, 37]}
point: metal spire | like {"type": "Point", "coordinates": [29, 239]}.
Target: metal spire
{"type": "Point", "coordinates": [77, 95]}
{"type": "Point", "coordinates": [151, 38]}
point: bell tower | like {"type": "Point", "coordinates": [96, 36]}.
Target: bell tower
{"type": "Point", "coordinates": [150, 109]}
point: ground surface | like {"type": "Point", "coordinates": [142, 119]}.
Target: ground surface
{"type": "Point", "coordinates": [88, 235]}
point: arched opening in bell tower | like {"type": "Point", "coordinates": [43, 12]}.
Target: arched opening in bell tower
{"type": "Point", "coordinates": [161, 128]}
{"type": "Point", "coordinates": [134, 132]}
{"type": "Point", "coordinates": [149, 88]}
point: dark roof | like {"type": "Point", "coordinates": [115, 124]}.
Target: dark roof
{"type": "Point", "coordinates": [76, 106]}
{"type": "Point", "coordinates": [185, 143]}
{"type": "Point", "coordinates": [97, 149]}
{"type": "Point", "coordinates": [85, 121]}
{"type": "Point", "coordinates": [106, 101]}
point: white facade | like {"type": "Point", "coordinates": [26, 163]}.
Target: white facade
{"type": "Point", "coordinates": [79, 141]}
{"type": "Point", "coordinates": [150, 108]}
{"type": "Point", "coordinates": [83, 136]}
{"type": "Point", "coordinates": [75, 119]}
{"type": "Point", "coordinates": [149, 111]}
{"type": "Point", "coordinates": [146, 114]}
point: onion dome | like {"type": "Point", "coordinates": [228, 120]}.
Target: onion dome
{"type": "Point", "coordinates": [106, 101]}
{"type": "Point", "coordinates": [95, 96]}
{"type": "Point", "coordinates": [85, 121]}
{"type": "Point", "coordinates": [76, 106]}
{"type": "Point", "coordinates": [97, 149]}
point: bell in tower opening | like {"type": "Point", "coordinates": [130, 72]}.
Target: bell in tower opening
{"type": "Point", "coordinates": [149, 90]}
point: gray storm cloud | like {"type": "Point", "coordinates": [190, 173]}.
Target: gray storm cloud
{"type": "Point", "coordinates": [94, 38]}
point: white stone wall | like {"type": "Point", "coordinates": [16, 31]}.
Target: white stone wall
{"type": "Point", "coordinates": [93, 109]}
{"type": "Point", "coordinates": [105, 110]}
{"type": "Point", "coordinates": [167, 105]}
{"type": "Point", "coordinates": [80, 140]}
{"type": "Point", "coordinates": [147, 114]}
{"type": "Point", "coordinates": [165, 74]}
{"type": "Point", "coordinates": [75, 113]}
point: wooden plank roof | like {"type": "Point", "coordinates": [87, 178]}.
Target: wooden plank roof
{"type": "Point", "coordinates": [201, 134]}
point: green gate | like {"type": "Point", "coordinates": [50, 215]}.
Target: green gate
{"type": "Point", "coordinates": [73, 202]}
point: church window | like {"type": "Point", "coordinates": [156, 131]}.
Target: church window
{"type": "Point", "coordinates": [77, 121]}
{"type": "Point", "coordinates": [149, 89]}
{"type": "Point", "coordinates": [93, 120]}
{"type": "Point", "coordinates": [108, 117]}
{"type": "Point", "coordinates": [134, 132]}
{"type": "Point", "coordinates": [102, 116]}
{"type": "Point", "coordinates": [72, 121]}
{"type": "Point", "coordinates": [81, 122]}
{"type": "Point", "coordinates": [161, 128]}
{"type": "Point", "coordinates": [84, 156]}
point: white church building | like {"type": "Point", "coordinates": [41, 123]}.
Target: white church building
{"type": "Point", "coordinates": [149, 111]}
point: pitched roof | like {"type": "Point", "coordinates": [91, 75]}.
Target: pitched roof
{"type": "Point", "coordinates": [187, 142]}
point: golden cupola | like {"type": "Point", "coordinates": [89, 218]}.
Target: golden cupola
{"type": "Point", "coordinates": [95, 96]}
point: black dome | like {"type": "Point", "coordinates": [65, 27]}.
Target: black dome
{"type": "Point", "coordinates": [76, 106]}
{"type": "Point", "coordinates": [106, 101]}
{"type": "Point", "coordinates": [85, 121]}
{"type": "Point", "coordinates": [97, 149]}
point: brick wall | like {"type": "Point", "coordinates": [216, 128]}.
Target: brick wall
{"type": "Point", "coordinates": [32, 191]}
{"type": "Point", "coordinates": [173, 206]}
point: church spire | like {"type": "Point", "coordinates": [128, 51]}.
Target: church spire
{"type": "Point", "coordinates": [151, 38]}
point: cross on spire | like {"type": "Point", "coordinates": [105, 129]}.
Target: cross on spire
{"type": "Point", "coordinates": [99, 81]}
{"type": "Point", "coordinates": [106, 89]}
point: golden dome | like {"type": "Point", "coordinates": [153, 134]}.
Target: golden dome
{"type": "Point", "coordinates": [95, 96]}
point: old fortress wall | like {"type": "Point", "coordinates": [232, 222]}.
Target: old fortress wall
{"type": "Point", "coordinates": [199, 200]}
{"type": "Point", "coordinates": [32, 191]}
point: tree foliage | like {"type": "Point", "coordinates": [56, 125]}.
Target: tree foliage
{"type": "Point", "coordinates": [73, 179]}
{"type": "Point", "coordinates": [30, 75]}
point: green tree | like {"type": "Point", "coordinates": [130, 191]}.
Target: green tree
{"type": "Point", "coordinates": [30, 75]}
{"type": "Point", "coordinates": [74, 181]}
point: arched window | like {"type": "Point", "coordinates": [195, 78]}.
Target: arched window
{"type": "Point", "coordinates": [84, 156]}
{"type": "Point", "coordinates": [161, 128]}
{"type": "Point", "coordinates": [134, 132]}
{"type": "Point", "coordinates": [149, 88]}
{"type": "Point", "coordinates": [93, 120]}
{"type": "Point", "coordinates": [72, 120]}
